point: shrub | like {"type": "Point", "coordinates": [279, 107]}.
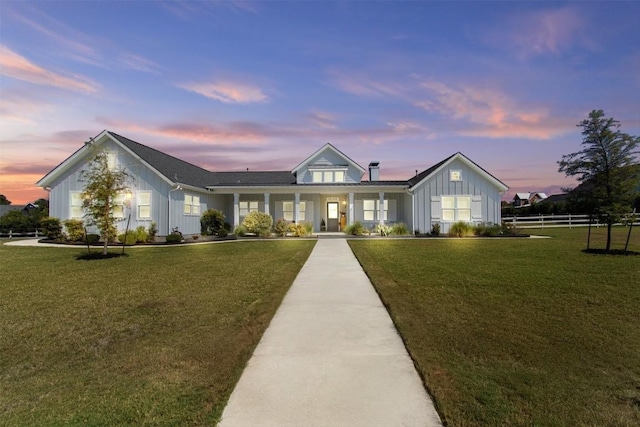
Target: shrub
{"type": "Point", "coordinates": [461, 229]}
{"type": "Point", "coordinates": [399, 229]}
{"type": "Point", "coordinates": [435, 229]}
{"type": "Point", "coordinates": [141, 233]}
{"type": "Point", "coordinates": [281, 228]}
{"type": "Point", "coordinates": [308, 228]}
{"type": "Point", "coordinates": [51, 227]}
{"type": "Point", "coordinates": [487, 230]}
{"type": "Point", "coordinates": [74, 229]}
{"type": "Point", "coordinates": [153, 230]}
{"type": "Point", "coordinates": [259, 223]}
{"type": "Point", "coordinates": [130, 239]}
{"type": "Point", "coordinates": [356, 229]}
{"type": "Point", "coordinates": [300, 230]}
{"type": "Point", "coordinates": [240, 231]}
{"type": "Point", "coordinates": [383, 230]}
{"type": "Point", "coordinates": [211, 222]}
{"type": "Point", "coordinates": [223, 232]}
{"type": "Point", "coordinates": [14, 221]}
{"type": "Point", "coordinates": [509, 229]}
{"type": "Point", "coordinates": [92, 239]}
{"type": "Point", "coordinates": [174, 238]}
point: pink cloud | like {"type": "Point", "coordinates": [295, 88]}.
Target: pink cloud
{"type": "Point", "coordinates": [255, 133]}
{"type": "Point", "coordinates": [18, 67]}
{"type": "Point", "coordinates": [490, 113]}
{"type": "Point", "coordinates": [323, 119]}
{"type": "Point", "coordinates": [138, 63]}
{"type": "Point", "coordinates": [359, 84]}
{"type": "Point", "coordinates": [228, 92]}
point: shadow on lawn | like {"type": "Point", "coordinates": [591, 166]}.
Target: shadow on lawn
{"type": "Point", "coordinates": [610, 252]}
{"type": "Point", "coordinates": [99, 255]}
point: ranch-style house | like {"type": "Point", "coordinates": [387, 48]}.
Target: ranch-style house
{"type": "Point", "coordinates": [325, 188]}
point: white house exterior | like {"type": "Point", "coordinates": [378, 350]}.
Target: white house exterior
{"type": "Point", "coordinates": [327, 186]}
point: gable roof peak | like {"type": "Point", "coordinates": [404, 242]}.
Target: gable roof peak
{"type": "Point", "coordinates": [327, 146]}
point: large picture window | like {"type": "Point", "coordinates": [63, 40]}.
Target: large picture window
{"type": "Point", "coordinates": [288, 211]}
{"type": "Point", "coordinates": [456, 208]}
{"type": "Point", "coordinates": [248, 206]}
{"type": "Point", "coordinates": [371, 210]}
{"type": "Point", "coordinates": [191, 204]}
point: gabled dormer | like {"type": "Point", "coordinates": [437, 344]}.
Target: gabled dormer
{"type": "Point", "coordinates": [328, 165]}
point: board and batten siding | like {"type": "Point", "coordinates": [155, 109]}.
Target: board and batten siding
{"type": "Point", "coordinates": [485, 197]}
{"type": "Point", "coordinates": [142, 179]}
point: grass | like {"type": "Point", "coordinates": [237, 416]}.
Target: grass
{"type": "Point", "coordinates": [517, 331]}
{"type": "Point", "coordinates": [158, 337]}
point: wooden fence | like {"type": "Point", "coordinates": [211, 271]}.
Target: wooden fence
{"type": "Point", "coordinates": [11, 234]}
{"type": "Point", "coordinates": [550, 221]}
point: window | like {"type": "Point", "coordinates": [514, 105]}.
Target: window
{"type": "Point", "coordinates": [328, 176]}
{"type": "Point", "coordinates": [288, 211]}
{"type": "Point", "coordinates": [455, 175]}
{"type": "Point", "coordinates": [118, 206]}
{"type": "Point", "coordinates": [77, 210]}
{"type": "Point", "coordinates": [456, 208]}
{"type": "Point", "coordinates": [464, 208]}
{"type": "Point", "coordinates": [371, 209]}
{"type": "Point", "coordinates": [191, 204]}
{"type": "Point", "coordinates": [448, 208]}
{"type": "Point", "coordinates": [112, 160]}
{"type": "Point", "coordinates": [249, 206]}
{"type": "Point", "coordinates": [144, 204]}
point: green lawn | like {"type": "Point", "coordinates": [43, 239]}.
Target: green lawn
{"type": "Point", "coordinates": [517, 331]}
{"type": "Point", "coordinates": [156, 338]}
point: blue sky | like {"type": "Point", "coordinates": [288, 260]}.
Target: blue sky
{"type": "Point", "coordinates": [261, 85]}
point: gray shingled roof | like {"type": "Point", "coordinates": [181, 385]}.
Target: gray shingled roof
{"type": "Point", "coordinates": [252, 178]}
{"type": "Point", "coordinates": [172, 168]}
{"type": "Point", "coordinates": [179, 171]}
{"type": "Point", "coordinates": [425, 173]}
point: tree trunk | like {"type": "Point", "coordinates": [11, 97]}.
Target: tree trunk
{"type": "Point", "coordinates": [609, 227]}
{"type": "Point", "coordinates": [104, 249]}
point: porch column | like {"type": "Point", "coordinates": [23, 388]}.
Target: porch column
{"type": "Point", "coordinates": [381, 209]}
{"type": "Point", "coordinates": [266, 203]}
{"type": "Point", "coordinates": [350, 212]}
{"type": "Point", "coordinates": [236, 210]}
{"type": "Point", "coordinates": [296, 213]}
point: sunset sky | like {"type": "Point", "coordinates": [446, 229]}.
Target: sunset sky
{"type": "Point", "coordinates": [262, 85]}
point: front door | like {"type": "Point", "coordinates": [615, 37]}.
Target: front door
{"type": "Point", "coordinates": [333, 216]}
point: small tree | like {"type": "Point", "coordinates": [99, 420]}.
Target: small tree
{"type": "Point", "coordinates": [604, 167]}
{"type": "Point", "coordinates": [104, 185]}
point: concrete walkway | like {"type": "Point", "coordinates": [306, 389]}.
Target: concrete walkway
{"type": "Point", "coordinates": [330, 357]}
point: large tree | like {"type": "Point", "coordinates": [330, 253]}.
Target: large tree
{"type": "Point", "coordinates": [604, 168]}
{"type": "Point", "coordinates": [105, 186]}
